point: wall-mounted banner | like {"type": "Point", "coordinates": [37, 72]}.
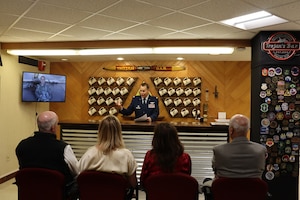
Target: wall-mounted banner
{"type": "Point", "coordinates": [144, 68]}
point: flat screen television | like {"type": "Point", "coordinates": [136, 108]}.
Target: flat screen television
{"type": "Point", "coordinates": [40, 87]}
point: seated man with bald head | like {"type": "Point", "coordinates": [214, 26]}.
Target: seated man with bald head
{"type": "Point", "coordinates": [240, 158]}
{"type": "Point", "coordinates": [43, 150]}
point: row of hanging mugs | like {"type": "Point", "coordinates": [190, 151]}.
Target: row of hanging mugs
{"type": "Point", "coordinates": [185, 101]}
{"type": "Point", "coordinates": [184, 112]}
{"type": "Point", "coordinates": [119, 81]}
{"type": "Point", "coordinates": [176, 81]}
{"type": "Point", "coordinates": [107, 91]}
{"type": "Point", "coordinates": [102, 111]}
{"type": "Point", "coordinates": [108, 101]}
{"type": "Point", "coordinates": [179, 91]}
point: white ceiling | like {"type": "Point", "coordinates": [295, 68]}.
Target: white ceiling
{"type": "Point", "coordinates": [92, 20]}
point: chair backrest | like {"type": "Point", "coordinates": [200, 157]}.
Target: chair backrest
{"type": "Point", "coordinates": [40, 183]}
{"type": "Point", "coordinates": [239, 188]}
{"type": "Point", "coordinates": [95, 185]}
{"type": "Point", "coordinates": [175, 186]}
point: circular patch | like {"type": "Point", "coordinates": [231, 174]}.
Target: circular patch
{"type": "Point", "coordinates": [275, 79]}
{"type": "Point", "coordinates": [284, 106]}
{"type": "Point", "coordinates": [265, 122]}
{"type": "Point", "coordinates": [268, 80]}
{"type": "Point", "coordinates": [269, 175]}
{"type": "Point", "coordinates": [271, 116]}
{"type": "Point", "coordinates": [273, 124]}
{"type": "Point", "coordinates": [288, 79]}
{"type": "Point", "coordinates": [264, 86]}
{"type": "Point", "coordinates": [271, 72]}
{"type": "Point", "coordinates": [269, 92]}
{"type": "Point", "coordinates": [268, 100]}
{"type": "Point", "coordinates": [264, 72]}
{"type": "Point", "coordinates": [285, 158]}
{"type": "Point", "coordinates": [276, 167]}
{"type": "Point", "coordinates": [262, 94]}
{"type": "Point", "coordinates": [264, 107]}
{"type": "Point", "coordinates": [296, 115]}
{"type": "Point", "coordinates": [289, 134]}
{"type": "Point", "coordinates": [278, 71]}
{"type": "Point", "coordinates": [294, 71]}
{"type": "Point", "coordinates": [293, 91]}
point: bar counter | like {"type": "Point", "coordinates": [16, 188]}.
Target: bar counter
{"type": "Point", "coordinates": [198, 140]}
{"type": "Point", "coordinates": [149, 126]}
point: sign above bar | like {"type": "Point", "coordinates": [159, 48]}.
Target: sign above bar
{"type": "Point", "coordinates": [144, 68]}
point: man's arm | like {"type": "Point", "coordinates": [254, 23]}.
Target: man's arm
{"type": "Point", "coordinates": [130, 108]}
{"type": "Point", "coordinates": [71, 160]}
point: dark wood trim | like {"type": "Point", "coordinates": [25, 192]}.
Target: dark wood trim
{"type": "Point", "coordinates": [7, 177]}
{"type": "Point", "coordinates": [125, 43]}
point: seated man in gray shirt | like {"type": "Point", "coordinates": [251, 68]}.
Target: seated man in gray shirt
{"type": "Point", "coordinates": [240, 158]}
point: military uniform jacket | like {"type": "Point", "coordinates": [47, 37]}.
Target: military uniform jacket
{"type": "Point", "coordinates": [150, 107]}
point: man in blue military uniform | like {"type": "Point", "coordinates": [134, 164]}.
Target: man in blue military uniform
{"type": "Point", "coordinates": [143, 104]}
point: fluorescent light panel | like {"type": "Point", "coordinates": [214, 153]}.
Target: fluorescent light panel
{"type": "Point", "coordinates": [125, 51]}
{"type": "Point", "coordinates": [254, 20]}
{"type": "Point", "coordinates": [48, 52]}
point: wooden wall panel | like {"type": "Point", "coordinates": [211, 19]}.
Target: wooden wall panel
{"type": "Point", "coordinates": [231, 78]}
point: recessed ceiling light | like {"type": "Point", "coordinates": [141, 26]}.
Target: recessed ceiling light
{"type": "Point", "coordinates": [254, 20]}
{"type": "Point", "coordinates": [180, 58]}
{"type": "Point", "coordinates": [120, 58]}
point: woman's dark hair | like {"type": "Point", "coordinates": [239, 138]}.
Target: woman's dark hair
{"type": "Point", "coordinates": [166, 146]}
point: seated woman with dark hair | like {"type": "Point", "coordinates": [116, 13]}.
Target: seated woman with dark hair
{"type": "Point", "coordinates": [167, 153]}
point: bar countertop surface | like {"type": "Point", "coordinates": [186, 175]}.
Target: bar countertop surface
{"type": "Point", "coordinates": [148, 126]}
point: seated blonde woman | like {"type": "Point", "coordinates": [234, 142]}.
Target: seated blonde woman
{"type": "Point", "coordinates": [110, 154]}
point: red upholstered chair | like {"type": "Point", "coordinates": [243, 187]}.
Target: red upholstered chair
{"type": "Point", "coordinates": [95, 185]}
{"type": "Point", "coordinates": [39, 183]}
{"type": "Point", "coordinates": [239, 188]}
{"type": "Point", "coordinates": [175, 186]}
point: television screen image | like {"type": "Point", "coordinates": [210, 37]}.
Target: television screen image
{"type": "Point", "coordinates": [40, 87]}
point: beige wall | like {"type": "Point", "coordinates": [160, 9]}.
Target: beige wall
{"type": "Point", "coordinates": [17, 119]}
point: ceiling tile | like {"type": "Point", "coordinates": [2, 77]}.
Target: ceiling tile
{"type": "Point", "coordinates": [56, 14]}
{"type": "Point", "coordinates": [292, 9]}
{"type": "Point", "coordinates": [221, 10]}
{"type": "Point", "coordinates": [177, 21]}
{"type": "Point", "coordinates": [178, 35]}
{"type": "Point", "coordinates": [106, 23]}
{"type": "Point", "coordinates": [146, 32]}
{"type": "Point", "coordinates": [281, 27]}
{"type": "Point", "coordinates": [81, 33]}
{"type": "Point", "coordinates": [15, 7]}
{"type": "Point", "coordinates": [7, 20]}
{"type": "Point", "coordinates": [213, 30]}
{"type": "Point", "coordinates": [129, 10]}
{"type": "Point", "coordinates": [28, 35]}
{"type": "Point", "coordinates": [265, 4]}
{"type": "Point", "coordinates": [174, 4]}
{"type": "Point", "coordinates": [83, 5]}
{"type": "Point", "coordinates": [40, 26]}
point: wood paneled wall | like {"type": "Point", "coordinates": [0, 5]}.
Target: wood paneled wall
{"type": "Point", "coordinates": [231, 78]}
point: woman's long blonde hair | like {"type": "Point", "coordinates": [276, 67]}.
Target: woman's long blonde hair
{"type": "Point", "coordinates": [110, 134]}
